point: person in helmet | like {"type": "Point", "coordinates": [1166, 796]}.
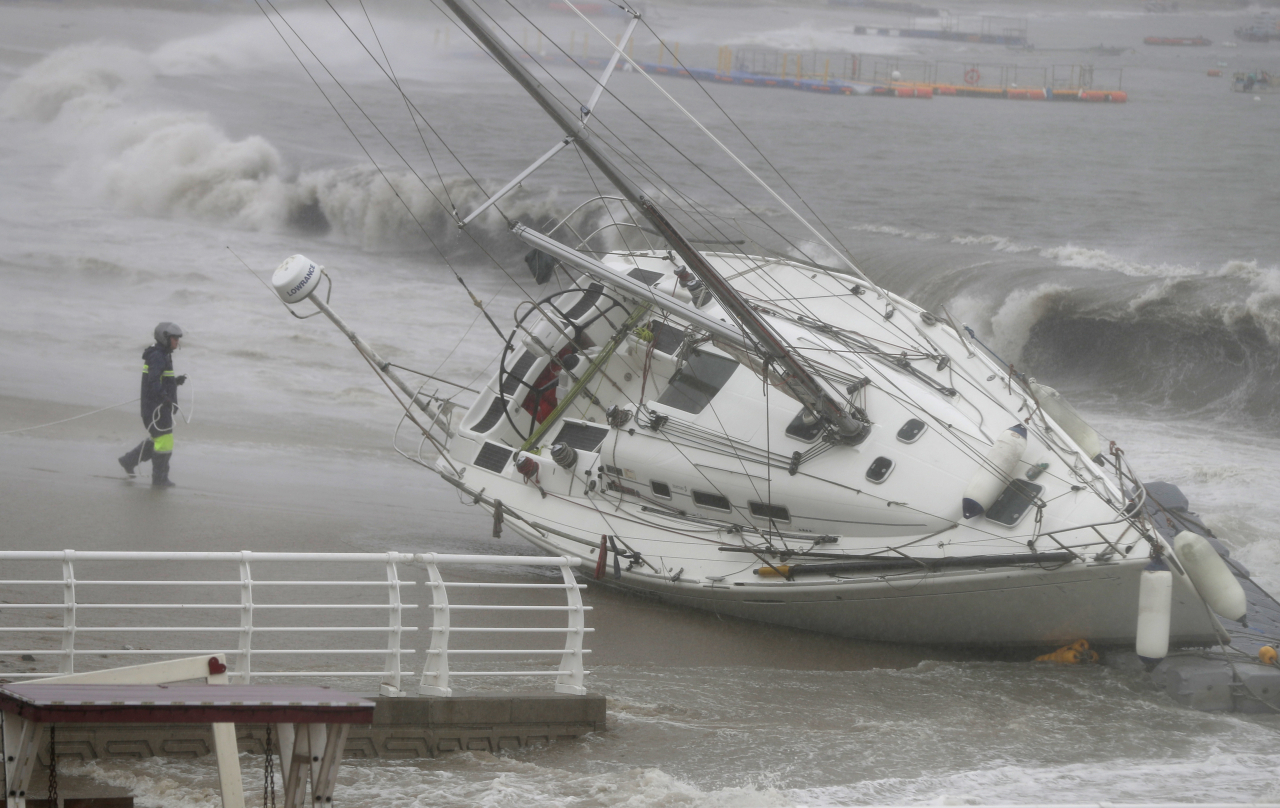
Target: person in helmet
{"type": "Point", "coordinates": [159, 400]}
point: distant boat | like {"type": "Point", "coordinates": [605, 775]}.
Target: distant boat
{"type": "Point", "coordinates": [1255, 81]}
{"type": "Point", "coordinates": [1264, 29]}
{"type": "Point", "coordinates": [1177, 40]}
{"type": "Point", "coordinates": [1107, 50]}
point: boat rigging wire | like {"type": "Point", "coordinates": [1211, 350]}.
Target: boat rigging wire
{"type": "Point", "coordinates": [707, 132]}
{"type": "Point", "coordinates": [444, 186]}
{"type": "Point", "coordinates": [475, 300]}
{"type": "Point", "coordinates": [665, 188]}
{"type": "Point", "coordinates": [732, 448]}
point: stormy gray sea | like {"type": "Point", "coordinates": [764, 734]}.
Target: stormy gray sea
{"type": "Point", "coordinates": [1127, 254]}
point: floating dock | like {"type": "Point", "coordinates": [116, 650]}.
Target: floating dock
{"type": "Point", "coordinates": [840, 73]}
{"type": "Point", "coordinates": [1227, 678]}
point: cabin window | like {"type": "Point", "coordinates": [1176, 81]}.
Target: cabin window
{"type": "Point", "coordinates": [697, 381]}
{"type": "Point", "coordinates": [879, 469]}
{"type": "Point", "coordinates": [660, 490]}
{"type": "Point", "coordinates": [713, 501]}
{"type": "Point", "coordinates": [911, 431]}
{"type": "Point", "coordinates": [1014, 502]}
{"type": "Point", "coordinates": [805, 426]}
{"type": "Point", "coordinates": [765, 510]}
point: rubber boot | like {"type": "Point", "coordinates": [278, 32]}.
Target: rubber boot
{"type": "Point", "coordinates": [160, 470]}
{"type": "Point", "coordinates": [138, 454]}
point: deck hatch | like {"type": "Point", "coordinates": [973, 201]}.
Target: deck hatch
{"type": "Point", "coordinates": [583, 437]}
{"type": "Point", "coordinates": [493, 457]}
{"type": "Point", "coordinates": [666, 338]}
{"type": "Point", "coordinates": [1013, 502]}
{"type": "Point", "coordinates": [911, 431]}
{"type": "Point", "coordinates": [697, 382]}
{"type": "Point", "coordinates": [879, 469]}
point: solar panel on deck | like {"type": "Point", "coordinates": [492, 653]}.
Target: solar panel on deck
{"type": "Point", "coordinates": [586, 437]}
{"type": "Point", "coordinates": [493, 457]}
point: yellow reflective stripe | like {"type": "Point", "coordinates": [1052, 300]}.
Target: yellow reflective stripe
{"type": "Point", "coordinates": [146, 368]}
{"type": "Point", "coordinates": [163, 443]}
{"type": "Point", "coordinates": [168, 373]}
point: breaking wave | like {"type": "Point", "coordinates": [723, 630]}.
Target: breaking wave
{"type": "Point", "coordinates": [1201, 344]}
{"type": "Point", "coordinates": [89, 99]}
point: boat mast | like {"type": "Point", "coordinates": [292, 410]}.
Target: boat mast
{"type": "Point", "coordinates": [812, 391]}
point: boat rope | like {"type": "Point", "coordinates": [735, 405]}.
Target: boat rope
{"type": "Point", "coordinates": [72, 418]}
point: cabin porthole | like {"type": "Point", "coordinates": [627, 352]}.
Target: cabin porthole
{"type": "Point", "coordinates": [660, 490]}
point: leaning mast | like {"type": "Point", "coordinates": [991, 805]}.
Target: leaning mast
{"type": "Point", "coordinates": [812, 391]}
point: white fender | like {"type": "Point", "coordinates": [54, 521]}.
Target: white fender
{"type": "Point", "coordinates": [1211, 575]}
{"type": "Point", "coordinates": [995, 471]}
{"type": "Point", "coordinates": [1065, 416]}
{"type": "Point", "coordinates": [1155, 605]}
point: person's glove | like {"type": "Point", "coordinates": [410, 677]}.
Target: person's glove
{"type": "Point", "coordinates": [180, 379]}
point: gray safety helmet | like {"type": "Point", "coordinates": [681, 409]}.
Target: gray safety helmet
{"type": "Point", "coordinates": [166, 330]}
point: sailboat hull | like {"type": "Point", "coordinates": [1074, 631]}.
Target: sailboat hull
{"type": "Point", "coordinates": [1026, 606]}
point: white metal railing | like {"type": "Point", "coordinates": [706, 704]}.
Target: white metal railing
{"type": "Point", "coordinates": [303, 613]}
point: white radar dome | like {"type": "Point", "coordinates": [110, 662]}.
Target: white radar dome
{"type": "Point", "coordinates": [296, 278]}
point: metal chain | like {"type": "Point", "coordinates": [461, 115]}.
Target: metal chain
{"type": "Point", "coordinates": [53, 769]}
{"type": "Point", "coordinates": [268, 776]}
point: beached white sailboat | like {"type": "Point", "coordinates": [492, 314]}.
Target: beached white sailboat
{"type": "Point", "coordinates": [782, 440]}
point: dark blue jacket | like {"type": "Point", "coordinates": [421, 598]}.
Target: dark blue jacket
{"type": "Point", "coordinates": [159, 388]}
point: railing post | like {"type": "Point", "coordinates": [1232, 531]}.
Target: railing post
{"type": "Point", "coordinates": [68, 662]}
{"type": "Point", "coordinates": [391, 669]}
{"type": "Point", "coordinates": [435, 670]}
{"type": "Point", "coordinates": [570, 678]}
{"type": "Point", "coordinates": [244, 660]}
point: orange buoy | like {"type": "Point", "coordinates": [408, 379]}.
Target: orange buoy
{"type": "Point", "coordinates": [1115, 96]}
{"type": "Point", "coordinates": [1215, 73]}
{"type": "Point", "coordinates": [1267, 655]}
{"type": "Point", "coordinates": [1076, 653]}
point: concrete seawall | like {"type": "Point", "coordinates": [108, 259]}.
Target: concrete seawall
{"type": "Point", "coordinates": [405, 728]}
